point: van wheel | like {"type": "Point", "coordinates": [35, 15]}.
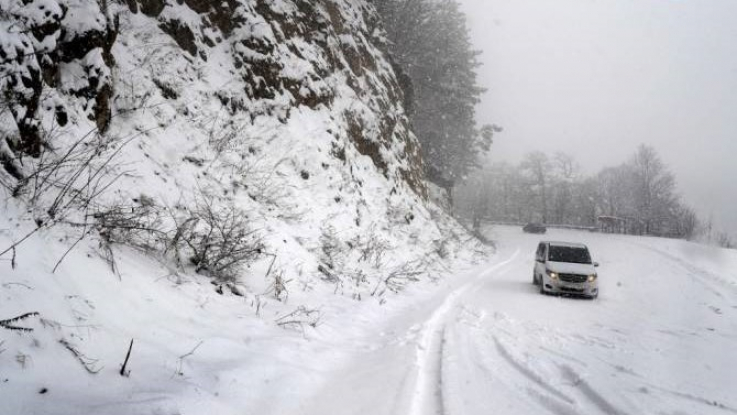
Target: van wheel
{"type": "Point", "coordinates": [542, 287]}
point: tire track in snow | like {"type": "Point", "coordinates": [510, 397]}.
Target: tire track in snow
{"type": "Point", "coordinates": [521, 377]}
{"type": "Point", "coordinates": [706, 278]}
{"type": "Point", "coordinates": [516, 378]}
{"type": "Point", "coordinates": [589, 392]}
{"type": "Point", "coordinates": [427, 396]}
{"type": "Point", "coordinates": [528, 373]}
{"type": "Point", "coordinates": [551, 404]}
{"type": "Point", "coordinates": [693, 398]}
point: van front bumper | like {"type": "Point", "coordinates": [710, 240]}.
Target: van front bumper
{"type": "Point", "coordinates": [585, 289]}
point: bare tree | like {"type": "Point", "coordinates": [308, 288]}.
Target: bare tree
{"type": "Point", "coordinates": [538, 167]}
{"type": "Point", "coordinates": [653, 189]}
{"type": "Point", "coordinates": [565, 171]}
{"type": "Point", "coordinates": [686, 222]}
{"type": "Point", "coordinates": [614, 190]}
{"type": "Point", "coordinates": [638, 196]}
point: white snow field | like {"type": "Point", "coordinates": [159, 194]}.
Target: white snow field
{"type": "Point", "coordinates": [660, 339]}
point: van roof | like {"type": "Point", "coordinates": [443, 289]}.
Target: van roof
{"type": "Point", "coordinates": [566, 244]}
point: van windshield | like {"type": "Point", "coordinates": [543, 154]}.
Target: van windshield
{"type": "Point", "coordinates": [569, 254]}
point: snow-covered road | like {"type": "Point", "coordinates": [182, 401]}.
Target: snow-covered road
{"type": "Point", "coordinates": [661, 339]}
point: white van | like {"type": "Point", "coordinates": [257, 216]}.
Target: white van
{"type": "Point", "coordinates": [565, 268]}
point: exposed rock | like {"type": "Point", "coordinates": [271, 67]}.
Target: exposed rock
{"type": "Point", "coordinates": [51, 35]}
{"type": "Point", "coordinates": [182, 34]}
{"type": "Point", "coordinates": [218, 14]}
{"type": "Point", "coordinates": [365, 146]}
{"type": "Point", "coordinates": [152, 8]}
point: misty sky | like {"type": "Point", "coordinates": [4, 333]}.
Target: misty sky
{"type": "Point", "coordinates": [595, 78]}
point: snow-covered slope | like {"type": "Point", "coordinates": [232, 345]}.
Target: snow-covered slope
{"type": "Point", "coordinates": [169, 118]}
{"type": "Point", "coordinates": [186, 172]}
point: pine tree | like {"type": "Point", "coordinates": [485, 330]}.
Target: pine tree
{"type": "Point", "coordinates": [431, 45]}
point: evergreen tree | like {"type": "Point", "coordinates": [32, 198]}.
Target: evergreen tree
{"type": "Point", "coordinates": [431, 46]}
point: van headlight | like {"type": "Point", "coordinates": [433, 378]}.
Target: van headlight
{"type": "Point", "coordinates": [592, 277]}
{"type": "Point", "coordinates": [552, 275]}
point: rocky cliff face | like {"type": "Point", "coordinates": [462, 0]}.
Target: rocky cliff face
{"type": "Point", "coordinates": [286, 110]}
{"type": "Point", "coordinates": [39, 41]}
{"type": "Point", "coordinates": [279, 55]}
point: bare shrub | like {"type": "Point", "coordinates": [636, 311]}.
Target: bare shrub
{"type": "Point", "coordinates": [332, 250]}
{"type": "Point", "coordinates": [220, 239]}
{"type": "Point", "coordinates": [725, 241]}
{"type": "Point", "coordinates": [64, 186]}
{"type": "Point", "coordinates": [372, 248]}
{"type": "Point", "coordinates": [139, 225]}
{"type": "Point", "coordinates": [224, 132]}
{"type": "Point", "coordinates": [281, 292]}
{"type": "Point", "coordinates": [216, 240]}
{"type": "Point", "coordinates": [278, 285]}
{"type": "Point", "coordinates": [442, 248]}
{"type": "Point", "coordinates": [399, 277]}
{"type": "Point", "coordinates": [58, 183]}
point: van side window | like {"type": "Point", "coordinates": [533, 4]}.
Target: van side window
{"type": "Point", "coordinates": [540, 255]}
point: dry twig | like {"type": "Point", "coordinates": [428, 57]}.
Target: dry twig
{"type": "Point", "coordinates": [87, 362]}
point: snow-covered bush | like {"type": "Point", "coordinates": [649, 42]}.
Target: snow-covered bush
{"type": "Point", "coordinates": [219, 239]}
{"type": "Point", "coordinates": [215, 239]}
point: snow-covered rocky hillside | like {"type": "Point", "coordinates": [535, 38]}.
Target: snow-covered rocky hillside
{"type": "Point", "coordinates": [175, 170]}
{"type": "Point", "coordinates": [155, 123]}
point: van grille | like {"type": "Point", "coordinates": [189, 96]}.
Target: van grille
{"type": "Point", "coordinates": [573, 278]}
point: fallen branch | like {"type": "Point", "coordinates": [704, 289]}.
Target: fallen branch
{"type": "Point", "coordinates": [85, 232]}
{"type": "Point", "coordinates": [268, 272]}
{"type": "Point", "coordinates": [123, 372]}
{"type": "Point", "coordinates": [14, 245]}
{"type": "Point", "coordinates": [180, 361]}
{"type": "Point", "coordinates": [299, 317]}
{"type": "Point", "coordinates": [87, 363]}
{"type": "Point", "coordinates": [20, 284]}
{"type": "Point", "coordinates": [8, 324]}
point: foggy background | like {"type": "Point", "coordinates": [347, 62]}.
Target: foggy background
{"type": "Point", "coordinates": [596, 78]}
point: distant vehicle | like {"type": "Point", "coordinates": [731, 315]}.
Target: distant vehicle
{"type": "Point", "coordinates": [532, 227]}
{"type": "Point", "coordinates": [565, 268]}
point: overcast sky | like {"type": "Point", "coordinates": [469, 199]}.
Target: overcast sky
{"type": "Point", "coordinates": [595, 78]}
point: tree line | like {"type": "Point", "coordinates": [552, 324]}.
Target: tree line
{"type": "Point", "coordinates": [639, 196]}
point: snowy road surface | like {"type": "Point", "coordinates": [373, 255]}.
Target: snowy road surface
{"type": "Point", "coordinates": [661, 339]}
